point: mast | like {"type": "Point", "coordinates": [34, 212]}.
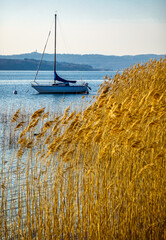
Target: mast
{"type": "Point", "coordinates": [55, 53]}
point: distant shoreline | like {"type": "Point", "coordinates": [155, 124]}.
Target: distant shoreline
{"type": "Point", "coordinates": [32, 65]}
{"type": "Point", "coordinates": [73, 62]}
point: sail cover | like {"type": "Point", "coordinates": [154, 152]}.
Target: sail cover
{"type": "Point", "coordinates": [56, 77]}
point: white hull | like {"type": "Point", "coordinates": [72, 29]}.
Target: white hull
{"type": "Point", "coordinates": [60, 89]}
{"type": "Point", "coordinates": [60, 85]}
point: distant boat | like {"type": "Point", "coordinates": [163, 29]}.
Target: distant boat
{"type": "Point", "coordinates": [60, 85]}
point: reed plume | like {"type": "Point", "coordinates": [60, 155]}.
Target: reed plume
{"type": "Point", "coordinates": [95, 174]}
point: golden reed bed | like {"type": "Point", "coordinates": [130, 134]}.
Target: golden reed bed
{"type": "Point", "coordinates": [96, 174]}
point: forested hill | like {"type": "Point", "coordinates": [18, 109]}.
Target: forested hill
{"type": "Point", "coordinates": [32, 64]}
{"type": "Point", "coordinates": [100, 62]}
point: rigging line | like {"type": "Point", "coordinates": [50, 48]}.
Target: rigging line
{"type": "Point", "coordinates": [42, 56]}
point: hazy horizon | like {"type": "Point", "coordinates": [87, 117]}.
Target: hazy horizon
{"type": "Point", "coordinates": [82, 54]}
{"type": "Point", "coordinates": [103, 27]}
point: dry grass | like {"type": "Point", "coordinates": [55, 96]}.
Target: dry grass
{"type": "Point", "coordinates": [96, 174]}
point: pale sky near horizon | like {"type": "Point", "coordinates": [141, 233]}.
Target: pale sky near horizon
{"type": "Point", "coordinates": [109, 27]}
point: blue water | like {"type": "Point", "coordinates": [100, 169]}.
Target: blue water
{"type": "Point", "coordinates": [30, 100]}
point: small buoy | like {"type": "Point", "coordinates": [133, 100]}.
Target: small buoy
{"type": "Point", "coordinates": [15, 92]}
{"type": "Point", "coordinates": [35, 134]}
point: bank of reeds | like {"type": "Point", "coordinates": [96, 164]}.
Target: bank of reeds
{"type": "Point", "coordinates": [96, 174]}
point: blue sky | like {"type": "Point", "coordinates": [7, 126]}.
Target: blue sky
{"type": "Point", "coordinates": [107, 27]}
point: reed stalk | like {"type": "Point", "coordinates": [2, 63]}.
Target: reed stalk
{"type": "Point", "coordinates": [94, 174]}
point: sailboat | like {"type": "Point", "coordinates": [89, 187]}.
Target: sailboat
{"type": "Point", "coordinates": [59, 85]}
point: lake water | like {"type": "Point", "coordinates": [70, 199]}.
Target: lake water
{"type": "Point", "coordinates": [30, 100]}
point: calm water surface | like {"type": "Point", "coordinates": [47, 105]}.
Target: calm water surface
{"type": "Point", "coordinates": [29, 99]}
